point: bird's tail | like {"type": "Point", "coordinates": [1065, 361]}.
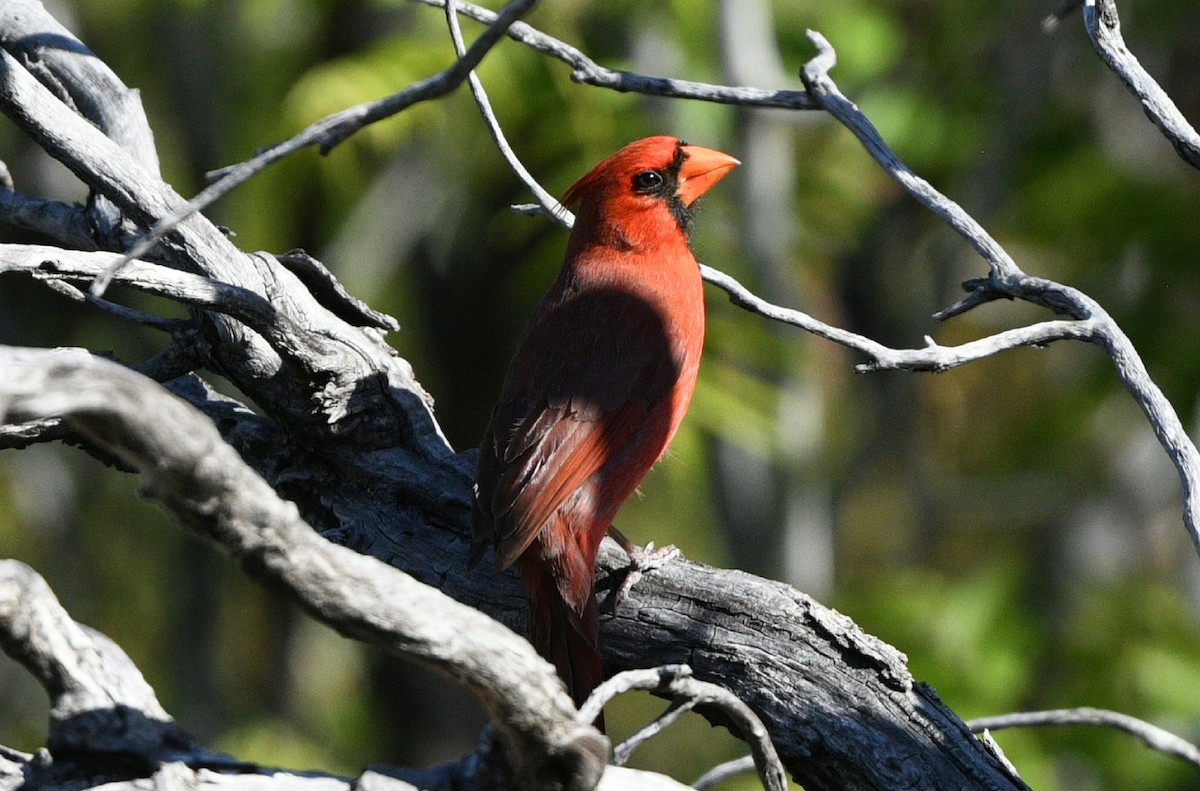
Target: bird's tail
{"type": "Point", "coordinates": [568, 638]}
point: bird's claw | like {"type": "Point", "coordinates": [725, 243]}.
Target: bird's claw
{"type": "Point", "coordinates": [642, 560]}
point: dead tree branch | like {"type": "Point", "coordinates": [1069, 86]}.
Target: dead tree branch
{"type": "Point", "coordinates": [1104, 29]}
{"type": "Point", "coordinates": [349, 432]}
{"type": "Point", "coordinates": [677, 683]}
{"type": "Point", "coordinates": [329, 132]}
{"type": "Point", "coordinates": [208, 488]}
{"type": "Point", "coordinates": [1154, 737]}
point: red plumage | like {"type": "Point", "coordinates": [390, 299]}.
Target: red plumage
{"type": "Point", "coordinates": [597, 388]}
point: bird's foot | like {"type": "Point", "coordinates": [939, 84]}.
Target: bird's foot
{"type": "Point", "coordinates": [641, 560]}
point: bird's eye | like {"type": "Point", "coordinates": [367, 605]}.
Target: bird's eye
{"type": "Point", "coordinates": [647, 181]}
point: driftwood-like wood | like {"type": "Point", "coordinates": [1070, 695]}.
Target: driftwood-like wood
{"type": "Point", "coordinates": [344, 453]}
{"type": "Point", "coordinates": [350, 438]}
{"type": "Point", "coordinates": [802, 667]}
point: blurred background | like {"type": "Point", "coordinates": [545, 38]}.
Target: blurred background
{"type": "Point", "coordinates": [1012, 526]}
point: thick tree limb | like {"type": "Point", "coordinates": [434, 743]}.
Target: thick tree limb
{"type": "Point", "coordinates": [367, 466]}
{"type": "Point", "coordinates": [208, 488]}
{"type": "Point", "coordinates": [198, 479]}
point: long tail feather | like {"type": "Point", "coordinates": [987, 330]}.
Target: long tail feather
{"type": "Point", "coordinates": [567, 638]}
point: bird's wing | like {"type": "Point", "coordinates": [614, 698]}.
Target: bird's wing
{"type": "Point", "coordinates": [588, 391]}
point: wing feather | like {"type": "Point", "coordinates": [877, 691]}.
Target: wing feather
{"type": "Point", "coordinates": [589, 388]}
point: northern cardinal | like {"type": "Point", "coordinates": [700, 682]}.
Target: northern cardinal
{"type": "Point", "coordinates": [600, 381]}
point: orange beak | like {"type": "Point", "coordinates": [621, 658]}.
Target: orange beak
{"type": "Point", "coordinates": [702, 168]}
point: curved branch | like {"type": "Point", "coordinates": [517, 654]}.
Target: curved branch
{"type": "Point", "coordinates": [207, 487]}
{"type": "Point", "coordinates": [676, 682]}
{"type": "Point", "coordinates": [1007, 280]}
{"type": "Point", "coordinates": [588, 72]}
{"type": "Point", "coordinates": [1154, 737]}
{"type": "Point", "coordinates": [1104, 30]}
{"type": "Point", "coordinates": [331, 131]}
{"type": "Point", "coordinates": [726, 771]}
{"type": "Point", "coordinates": [828, 97]}
{"type": "Point", "coordinates": [99, 701]}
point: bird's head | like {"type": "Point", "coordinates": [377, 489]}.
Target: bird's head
{"type": "Point", "coordinates": [647, 182]}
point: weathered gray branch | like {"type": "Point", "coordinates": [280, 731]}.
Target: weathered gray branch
{"type": "Point", "coordinates": [207, 487]}
{"type": "Point", "coordinates": [686, 692]}
{"type": "Point", "coordinates": [1007, 280]}
{"type": "Point", "coordinates": [588, 72]}
{"type": "Point", "coordinates": [370, 469]}
{"type": "Point", "coordinates": [1104, 29]}
{"type": "Point", "coordinates": [333, 130]}
{"type": "Point", "coordinates": [1153, 736]}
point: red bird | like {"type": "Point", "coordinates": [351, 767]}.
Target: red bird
{"type": "Point", "coordinates": [598, 386]}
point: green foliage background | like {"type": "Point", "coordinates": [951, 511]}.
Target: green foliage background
{"type": "Point", "coordinates": [1011, 526]}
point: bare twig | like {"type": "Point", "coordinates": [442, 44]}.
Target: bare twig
{"type": "Point", "coordinates": [589, 72]}
{"type": "Point", "coordinates": [625, 750]}
{"type": "Point", "coordinates": [557, 211]}
{"type": "Point", "coordinates": [676, 681]}
{"type": "Point", "coordinates": [1104, 29]}
{"type": "Point", "coordinates": [1007, 280]}
{"type": "Point", "coordinates": [722, 772]}
{"type": "Point", "coordinates": [328, 133]}
{"type": "Point", "coordinates": [933, 357]}
{"type": "Point", "coordinates": [1155, 738]}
